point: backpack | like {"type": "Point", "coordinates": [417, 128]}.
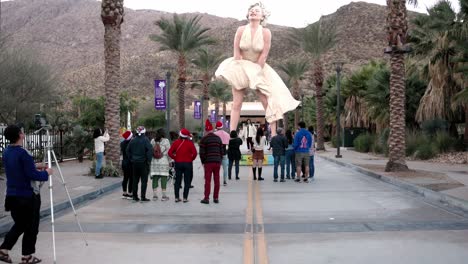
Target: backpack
{"type": "Point", "coordinates": [157, 153]}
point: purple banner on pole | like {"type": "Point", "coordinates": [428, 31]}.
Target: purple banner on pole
{"type": "Point", "coordinates": [197, 110]}
{"type": "Point", "coordinates": [213, 116]}
{"type": "Point", "coordinates": [160, 94]}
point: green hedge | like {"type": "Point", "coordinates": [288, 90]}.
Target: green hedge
{"type": "Point", "coordinates": [364, 142]}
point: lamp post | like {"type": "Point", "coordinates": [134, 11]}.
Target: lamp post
{"type": "Point", "coordinates": [168, 95]}
{"type": "Point", "coordinates": [338, 69]}
{"type": "Point", "coordinates": [302, 108]}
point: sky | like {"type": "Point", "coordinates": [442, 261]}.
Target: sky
{"type": "Point", "coordinates": [293, 13]}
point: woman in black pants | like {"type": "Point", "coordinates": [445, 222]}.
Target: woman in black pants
{"type": "Point", "coordinates": [127, 183]}
{"type": "Point", "coordinates": [234, 154]}
{"type": "Point", "coordinates": [22, 196]}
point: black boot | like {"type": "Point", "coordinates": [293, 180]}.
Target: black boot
{"type": "Point", "coordinates": [254, 173]}
{"type": "Point", "coordinates": [260, 174]}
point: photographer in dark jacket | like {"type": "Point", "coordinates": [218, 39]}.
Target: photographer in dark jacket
{"type": "Point", "coordinates": [140, 152]}
{"type": "Point", "coordinates": [22, 196]}
{"type": "Point", "coordinates": [279, 143]}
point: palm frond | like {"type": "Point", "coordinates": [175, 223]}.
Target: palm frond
{"type": "Point", "coordinates": [313, 39]}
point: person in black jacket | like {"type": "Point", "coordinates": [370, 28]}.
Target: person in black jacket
{"type": "Point", "coordinates": [234, 154]}
{"type": "Point", "coordinates": [140, 152]}
{"type": "Point", "coordinates": [279, 143]}
{"type": "Point", "coordinates": [127, 183]}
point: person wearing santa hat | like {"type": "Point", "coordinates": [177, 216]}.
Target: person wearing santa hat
{"type": "Point", "coordinates": [183, 152]}
{"type": "Point", "coordinates": [211, 156]}
{"type": "Point", "coordinates": [224, 136]}
{"type": "Point", "coordinates": [140, 152]}
{"type": "Point", "coordinates": [127, 183]}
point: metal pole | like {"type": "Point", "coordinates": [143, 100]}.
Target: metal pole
{"type": "Point", "coordinates": [338, 128]}
{"type": "Point", "coordinates": [168, 109]}
{"type": "Point", "coordinates": [302, 99]}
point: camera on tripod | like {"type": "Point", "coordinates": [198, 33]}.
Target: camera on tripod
{"type": "Point", "coordinates": [40, 121]}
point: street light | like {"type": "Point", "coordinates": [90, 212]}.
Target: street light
{"type": "Point", "coordinates": [338, 68]}
{"type": "Point", "coordinates": [168, 68]}
{"type": "Point", "coordinates": [302, 108]}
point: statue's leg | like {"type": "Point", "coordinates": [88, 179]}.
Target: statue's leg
{"type": "Point", "coordinates": [237, 98]}
{"type": "Point", "coordinates": [263, 98]}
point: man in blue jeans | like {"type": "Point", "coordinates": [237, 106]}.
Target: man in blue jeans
{"type": "Point", "coordinates": [278, 143]}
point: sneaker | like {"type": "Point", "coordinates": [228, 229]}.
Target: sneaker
{"type": "Point", "coordinates": [288, 178]}
{"type": "Point", "coordinates": [275, 180]}
{"type": "Point", "coordinates": [129, 196]}
{"type": "Point", "coordinates": [260, 179]}
{"type": "Point", "coordinates": [306, 181]}
{"type": "Point", "coordinates": [155, 197]}
{"type": "Point", "coordinates": [204, 201]}
{"type": "Point", "coordinates": [124, 196]}
{"type": "Point", "coordinates": [164, 198]}
{"type": "Point", "coordinates": [145, 200]}
{"type": "Point", "coordinates": [237, 178]}
{"type": "Point", "coordinates": [282, 180]}
{"type": "Point", "coordinates": [224, 183]}
{"type": "Point", "coordinates": [136, 199]}
{"type": "Point", "coordinates": [297, 180]}
{"type": "Point", "coordinates": [216, 200]}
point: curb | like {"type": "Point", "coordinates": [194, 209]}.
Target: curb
{"type": "Point", "coordinates": [59, 207]}
{"type": "Point", "coordinates": [441, 199]}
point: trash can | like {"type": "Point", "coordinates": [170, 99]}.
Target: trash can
{"type": "Point", "coordinates": [349, 134]}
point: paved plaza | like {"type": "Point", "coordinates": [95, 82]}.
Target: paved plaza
{"type": "Point", "coordinates": [341, 217]}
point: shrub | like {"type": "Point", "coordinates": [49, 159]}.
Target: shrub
{"type": "Point", "coordinates": [444, 142]}
{"type": "Point", "coordinates": [431, 127]}
{"type": "Point", "coordinates": [425, 151]}
{"type": "Point", "coordinates": [363, 142]}
{"type": "Point", "coordinates": [413, 140]}
{"type": "Point", "coordinates": [109, 170]}
{"type": "Point", "coordinates": [334, 142]}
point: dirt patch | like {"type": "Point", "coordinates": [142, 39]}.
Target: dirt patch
{"type": "Point", "coordinates": [432, 180]}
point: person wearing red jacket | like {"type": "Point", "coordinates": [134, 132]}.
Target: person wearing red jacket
{"type": "Point", "coordinates": [183, 152]}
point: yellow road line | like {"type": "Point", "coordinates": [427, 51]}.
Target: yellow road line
{"type": "Point", "coordinates": [262, 254]}
{"type": "Point", "coordinates": [248, 236]}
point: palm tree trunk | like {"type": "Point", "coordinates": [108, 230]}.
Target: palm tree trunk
{"type": "Point", "coordinates": [466, 126]}
{"type": "Point", "coordinates": [397, 29]}
{"type": "Point", "coordinates": [318, 81]}
{"type": "Point", "coordinates": [182, 71]}
{"type": "Point", "coordinates": [112, 17]}
{"type": "Point", "coordinates": [397, 144]}
{"type": "Point", "coordinates": [206, 97]}
{"type": "Point", "coordinates": [216, 109]}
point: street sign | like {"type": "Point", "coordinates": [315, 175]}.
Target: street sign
{"type": "Point", "coordinates": [160, 94]}
{"type": "Point", "coordinates": [197, 110]}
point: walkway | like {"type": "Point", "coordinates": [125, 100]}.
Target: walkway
{"type": "Point", "coordinates": [341, 217]}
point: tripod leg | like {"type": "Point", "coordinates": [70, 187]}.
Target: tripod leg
{"type": "Point", "coordinates": [51, 205]}
{"type": "Point", "coordinates": [69, 197]}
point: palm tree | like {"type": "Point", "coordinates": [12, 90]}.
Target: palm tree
{"type": "Point", "coordinates": [112, 13]}
{"type": "Point", "coordinates": [221, 92]}
{"type": "Point", "coordinates": [295, 69]}
{"type": "Point", "coordinates": [207, 62]}
{"type": "Point", "coordinates": [315, 41]}
{"type": "Point", "coordinates": [182, 35]}
{"type": "Point", "coordinates": [397, 27]}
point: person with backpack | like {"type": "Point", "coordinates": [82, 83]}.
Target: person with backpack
{"type": "Point", "coordinates": [127, 183]}
{"type": "Point", "coordinates": [302, 145]}
{"type": "Point", "coordinates": [140, 152]}
{"type": "Point", "coordinates": [224, 136]}
{"type": "Point", "coordinates": [160, 164]}
{"type": "Point", "coordinates": [183, 152]}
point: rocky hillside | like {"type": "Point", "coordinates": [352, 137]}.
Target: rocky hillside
{"type": "Point", "coordinates": [68, 36]}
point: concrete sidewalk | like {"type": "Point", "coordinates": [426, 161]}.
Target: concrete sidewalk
{"type": "Point", "coordinates": [442, 182]}
{"type": "Point", "coordinates": [80, 184]}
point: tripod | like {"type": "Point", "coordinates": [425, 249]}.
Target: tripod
{"type": "Point", "coordinates": [50, 153]}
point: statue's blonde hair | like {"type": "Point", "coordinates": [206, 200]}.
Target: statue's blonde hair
{"type": "Point", "coordinates": [265, 12]}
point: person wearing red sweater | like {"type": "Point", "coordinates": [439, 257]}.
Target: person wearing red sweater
{"type": "Point", "coordinates": [183, 152]}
